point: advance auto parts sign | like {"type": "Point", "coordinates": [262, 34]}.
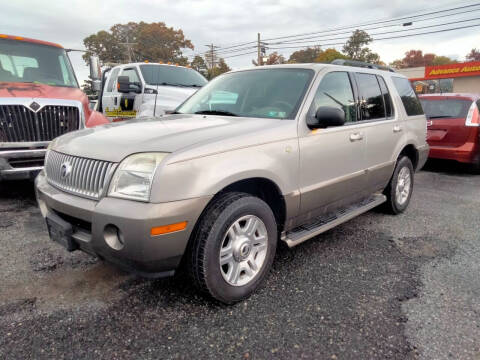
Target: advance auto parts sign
{"type": "Point", "coordinates": [453, 70]}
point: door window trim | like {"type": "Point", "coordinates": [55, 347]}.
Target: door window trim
{"type": "Point", "coordinates": [383, 100]}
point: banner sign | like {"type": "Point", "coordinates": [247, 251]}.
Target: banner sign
{"type": "Point", "coordinates": [453, 70]}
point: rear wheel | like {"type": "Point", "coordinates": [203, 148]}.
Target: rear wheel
{"type": "Point", "coordinates": [399, 189]}
{"type": "Point", "coordinates": [233, 247]}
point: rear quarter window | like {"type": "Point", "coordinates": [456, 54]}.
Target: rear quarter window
{"type": "Point", "coordinates": [409, 98]}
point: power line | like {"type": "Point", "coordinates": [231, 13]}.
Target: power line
{"type": "Point", "coordinates": [376, 23]}
{"type": "Point", "coordinates": [392, 32]}
{"type": "Point", "coordinates": [377, 27]}
{"type": "Point", "coordinates": [385, 38]}
{"type": "Point", "coordinates": [241, 47]}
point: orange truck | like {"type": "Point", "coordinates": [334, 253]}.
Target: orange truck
{"type": "Point", "coordinates": [39, 100]}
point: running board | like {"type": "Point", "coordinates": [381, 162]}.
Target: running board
{"type": "Point", "coordinates": [329, 221]}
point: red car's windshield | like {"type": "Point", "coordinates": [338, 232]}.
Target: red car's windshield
{"type": "Point", "coordinates": [445, 108]}
{"type": "Point", "coordinates": [26, 62]}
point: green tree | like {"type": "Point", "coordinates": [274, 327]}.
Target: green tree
{"type": "Point", "coordinates": [355, 48]}
{"type": "Point", "coordinates": [442, 60]}
{"type": "Point", "coordinates": [104, 45]}
{"type": "Point", "coordinates": [474, 55]}
{"type": "Point", "coordinates": [328, 55]}
{"type": "Point", "coordinates": [157, 42]}
{"type": "Point", "coordinates": [87, 87]}
{"type": "Point", "coordinates": [198, 63]}
{"type": "Point", "coordinates": [153, 42]}
{"type": "Point", "coordinates": [305, 56]}
{"type": "Point", "coordinates": [416, 58]}
{"type": "Point", "coordinates": [220, 68]}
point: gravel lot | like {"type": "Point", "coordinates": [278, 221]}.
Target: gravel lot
{"type": "Point", "coordinates": [376, 287]}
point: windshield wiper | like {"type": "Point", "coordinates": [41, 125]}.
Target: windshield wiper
{"type": "Point", "coordinates": [216, 112]}
{"type": "Point", "coordinates": [439, 116]}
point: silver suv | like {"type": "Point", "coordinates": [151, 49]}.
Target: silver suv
{"type": "Point", "coordinates": [276, 153]}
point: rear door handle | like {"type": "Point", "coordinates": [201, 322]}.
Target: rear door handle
{"type": "Point", "coordinates": [397, 128]}
{"type": "Point", "coordinates": [356, 136]}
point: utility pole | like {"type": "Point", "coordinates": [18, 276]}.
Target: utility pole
{"type": "Point", "coordinates": [259, 55]}
{"type": "Point", "coordinates": [261, 50]}
{"type": "Point", "coordinates": [211, 56]}
{"type": "Point", "coordinates": [129, 46]}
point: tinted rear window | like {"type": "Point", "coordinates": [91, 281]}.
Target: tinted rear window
{"type": "Point", "coordinates": [409, 98]}
{"type": "Point", "coordinates": [371, 104]}
{"type": "Point", "coordinates": [445, 108]}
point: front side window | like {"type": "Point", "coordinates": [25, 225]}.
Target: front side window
{"type": "Point", "coordinates": [335, 90]}
{"type": "Point", "coordinates": [263, 93]}
{"type": "Point", "coordinates": [171, 76]}
{"type": "Point", "coordinates": [112, 79]}
{"type": "Point", "coordinates": [26, 62]}
{"type": "Point", "coordinates": [409, 98]}
{"type": "Point", "coordinates": [371, 99]}
{"type": "Point", "coordinates": [132, 75]}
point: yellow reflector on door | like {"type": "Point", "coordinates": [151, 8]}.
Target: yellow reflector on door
{"type": "Point", "coordinates": [165, 229]}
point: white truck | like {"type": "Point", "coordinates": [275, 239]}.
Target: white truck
{"type": "Point", "coordinates": [146, 89]}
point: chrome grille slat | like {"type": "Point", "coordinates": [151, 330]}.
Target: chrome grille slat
{"type": "Point", "coordinates": [88, 177]}
{"type": "Point", "coordinates": [18, 123]}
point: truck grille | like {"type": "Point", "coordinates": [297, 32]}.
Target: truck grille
{"type": "Point", "coordinates": [77, 175]}
{"type": "Point", "coordinates": [20, 124]}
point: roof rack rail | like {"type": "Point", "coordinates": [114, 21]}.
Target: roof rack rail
{"type": "Point", "coordinates": [361, 64]}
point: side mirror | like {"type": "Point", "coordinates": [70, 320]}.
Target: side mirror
{"type": "Point", "coordinates": [123, 84]}
{"type": "Point", "coordinates": [327, 116]}
{"type": "Point", "coordinates": [95, 71]}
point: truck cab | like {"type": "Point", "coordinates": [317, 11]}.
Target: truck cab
{"type": "Point", "coordinates": [146, 89]}
{"type": "Point", "coordinates": [39, 100]}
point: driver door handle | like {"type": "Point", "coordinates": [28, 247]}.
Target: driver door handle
{"type": "Point", "coordinates": [356, 136]}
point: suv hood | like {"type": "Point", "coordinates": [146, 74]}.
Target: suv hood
{"type": "Point", "coordinates": [113, 142]}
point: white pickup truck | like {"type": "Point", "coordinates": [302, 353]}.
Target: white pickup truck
{"type": "Point", "coordinates": [146, 89]}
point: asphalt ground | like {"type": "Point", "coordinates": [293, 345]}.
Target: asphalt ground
{"type": "Point", "coordinates": [377, 287]}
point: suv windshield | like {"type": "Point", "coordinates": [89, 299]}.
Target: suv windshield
{"type": "Point", "coordinates": [445, 108]}
{"type": "Point", "coordinates": [171, 75]}
{"type": "Point", "coordinates": [265, 93]}
{"type": "Point", "coordinates": [26, 62]}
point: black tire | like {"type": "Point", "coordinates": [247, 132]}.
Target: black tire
{"type": "Point", "coordinates": [475, 168]}
{"type": "Point", "coordinates": [203, 261]}
{"type": "Point", "coordinates": [392, 206]}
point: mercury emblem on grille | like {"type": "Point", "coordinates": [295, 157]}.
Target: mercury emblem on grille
{"type": "Point", "coordinates": [65, 170]}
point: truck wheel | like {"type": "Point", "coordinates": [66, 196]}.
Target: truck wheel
{"type": "Point", "coordinates": [233, 247]}
{"type": "Point", "coordinates": [399, 189]}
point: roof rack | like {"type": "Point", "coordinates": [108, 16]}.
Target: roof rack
{"type": "Point", "coordinates": [361, 64]}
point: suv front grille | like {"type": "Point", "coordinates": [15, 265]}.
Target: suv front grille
{"type": "Point", "coordinates": [20, 124]}
{"type": "Point", "coordinates": [77, 175]}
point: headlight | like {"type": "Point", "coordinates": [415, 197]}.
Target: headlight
{"type": "Point", "coordinates": [133, 177]}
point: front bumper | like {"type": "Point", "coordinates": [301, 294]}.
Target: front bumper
{"type": "Point", "coordinates": [21, 163]}
{"type": "Point", "coordinates": [146, 255]}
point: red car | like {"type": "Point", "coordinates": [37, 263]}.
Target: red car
{"type": "Point", "coordinates": [453, 130]}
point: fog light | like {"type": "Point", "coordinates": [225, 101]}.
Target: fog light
{"type": "Point", "coordinates": [113, 237]}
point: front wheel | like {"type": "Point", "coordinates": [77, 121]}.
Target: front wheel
{"type": "Point", "coordinates": [399, 189]}
{"type": "Point", "coordinates": [233, 247]}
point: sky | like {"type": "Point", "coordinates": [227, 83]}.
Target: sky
{"type": "Point", "coordinates": [226, 23]}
